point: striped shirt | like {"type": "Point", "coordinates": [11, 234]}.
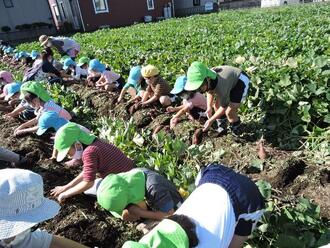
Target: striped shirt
{"type": "Point", "coordinates": [104, 158]}
{"type": "Point", "coordinates": [160, 87]}
{"type": "Point", "coordinates": [52, 106]}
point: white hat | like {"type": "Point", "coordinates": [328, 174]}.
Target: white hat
{"type": "Point", "coordinates": [22, 202]}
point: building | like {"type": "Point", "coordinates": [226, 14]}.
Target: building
{"type": "Point", "coordinates": [191, 7]}
{"type": "Point", "coordinates": [24, 19]}
{"type": "Point", "coordinates": [89, 15]}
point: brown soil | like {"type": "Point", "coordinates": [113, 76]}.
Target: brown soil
{"type": "Point", "coordinates": [82, 220]}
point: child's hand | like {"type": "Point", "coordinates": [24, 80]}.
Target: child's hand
{"type": "Point", "coordinates": [208, 124]}
{"type": "Point", "coordinates": [62, 197]}
{"type": "Point", "coordinates": [173, 122]}
{"type": "Point", "coordinates": [170, 109]}
{"type": "Point", "coordinates": [209, 113]}
{"type": "Point", "coordinates": [58, 190]}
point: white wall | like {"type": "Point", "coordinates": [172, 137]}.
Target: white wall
{"type": "Point", "coordinates": [272, 3]}
{"type": "Point", "coordinates": [25, 12]}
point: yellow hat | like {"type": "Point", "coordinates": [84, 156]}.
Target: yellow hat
{"type": "Point", "coordinates": [149, 71]}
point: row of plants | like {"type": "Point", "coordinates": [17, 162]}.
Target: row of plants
{"type": "Point", "coordinates": [284, 50]}
{"type": "Point", "coordinates": [286, 223]}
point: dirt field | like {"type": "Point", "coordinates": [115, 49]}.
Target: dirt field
{"type": "Point", "coordinates": [82, 220]}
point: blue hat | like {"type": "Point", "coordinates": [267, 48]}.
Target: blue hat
{"type": "Point", "coordinates": [96, 65]}
{"type": "Point", "coordinates": [34, 54]}
{"type": "Point", "coordinates": [16, 55]}
{"type": "Point", "coordinates": [22, 55]}
{"type": "Point", "coordinates": [9, 50]}
{"type": "Point", "coordinates": [67, 63]}
{"type": "Point", "coordinates": [134, 75]}
{"type": "Point", "coordinates": [179, 85]}
{"type": "Point", "coordinates": [50, 119]}
{"type": "Point", "coordinates": [12, 89]}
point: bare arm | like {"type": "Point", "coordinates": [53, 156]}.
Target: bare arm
{"type": "Point", "coordinates": [182, 111]}
{"type": "Point", "coordinates": [147, 214]}
{"type": "Point", "coordinates": [78, 188]}
{"type": "Point", "coordinates": [151, 100]}
{"type": "Point", "coordinates": [61, 242]}
{"type": "Point", "coordinates": [29, 123]}
{"type": "Point", "coordinates": [16, 111]}
{"type": "Point", "coordinates": [209, 98]}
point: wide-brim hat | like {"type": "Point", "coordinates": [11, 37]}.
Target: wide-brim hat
{"type": "Point", "coordinates": [43, 39]}
{"type": "Point", "coordinates": [23, 204]}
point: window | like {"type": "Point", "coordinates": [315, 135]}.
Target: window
{"type": "Point", "coordinates": [197, 2]}
{"type": "Point", "coordinates": [150, 4]}
{"type": "Point", "coordinates": [100, 6]}
{"type": "Point", "coordinates": [8, 3]}
{"type": "Point", "coordinates": [56, 12]}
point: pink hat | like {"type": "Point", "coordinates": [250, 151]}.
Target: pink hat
{"type": "Point", "coordinates": [6, 76]}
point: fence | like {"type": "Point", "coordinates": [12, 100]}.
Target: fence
{"type": "Point", "coordinates": [16, 37]}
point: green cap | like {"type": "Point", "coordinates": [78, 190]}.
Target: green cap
{"type": "Point", "coordinates": [63, 58]}
{"type": "Point", "coordinates": [69, 134]}
{"type": "Point", "coordinates": [167, 234]}
{"type": "Point", "coordinates": [83, 60]}
{"type": "Point", "coordinates": [36, 88]}
{"type": "Point", "coordinates": [118, 190]}
{"type": "Point", "coordinates": [196, 74]}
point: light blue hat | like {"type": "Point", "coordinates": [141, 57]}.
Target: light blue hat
{"type": "Point", "coordinates": [16, 55]}
{"type": "Point", "coordinates": [9, 50]}
{"type": "Point", "coordinates": [22, 204]}
{"type": "Point", "coordinates": [96, 65]}
{"type": "Point", "coordinates": [50, 119]}
{"type": "Point", "coordinates": [134, 75]}
{"type": "Point", "coordinates": [12, 89]}
{"type": "Point", "coordinates": [179, 85]}
{"type": "Point", "coordinates": [22, 55]}
{"type": "Point", "coordinates": [68, 62]}
{"type": "Point", "coordinates": [34, 54]}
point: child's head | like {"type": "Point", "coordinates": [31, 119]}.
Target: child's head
{"type": "Point", "coordinates": [34, 55]}
{"type": "Point", "coordinates": [173, 232]}
{"type": "Point", "coordinates": [69, 64]}
{"type": "Point", "coordinates": [22, 204]}
{"type": "Point", "coordinates": [83, 62]}
{"type": "Point", "coordinates": [150, 73]}
{"type": "Point", "coordinates": [96, 66]}
{"type": "Point", "coordinates": [179, 85]}
{"type": "Point", "coordinates": [117, 191]}
{"type": "Point", "coordinates": [6, 77]}
{"type": "Point", "coordinates": [33, 100]}
{"type": "Point", "coordinates": [199, 77]}
{"type": "Point", "coordinates": [12, 91]}
{"type": "Point", "coordinates": [68, 139]}
{"type": "Point", "coordinates": [50, 119]}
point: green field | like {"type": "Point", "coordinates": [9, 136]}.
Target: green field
{"type": "Point", "coordinates": [286, 52]}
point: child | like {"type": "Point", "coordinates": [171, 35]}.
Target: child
{"type": "Point", "coordinates": [13, 158]}
{"type": "Point", "coordinates": [194, 103]}
{"type": "Point", "coordinates": [23, 206]}
{"type": "Point", "coordinates": [11, 95]}
{"type": "Point", "coordinates": [97, 156]}
{"type": "Point", "coordinates": [5, 78]}
{"type": "Point", "coordinates": [130, 195]}
{"type": "Point", "coordinates": [135, 85]}
{"type": "Point", "coordinates": [225, 208]}
{"type": "Point", "coordinates": [77, 72]}
{"type": "Point", "coordinates": [109, 80]}
{"type": "Point", "coordinates": [158, 89]}
{"type": "Point", "coordinates": [52, 120]}
{"type": "Point", "coordinates": [37, 97]}
{"type": "Point", "coordinates": [229, 85]}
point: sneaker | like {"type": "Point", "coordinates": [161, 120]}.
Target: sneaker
{"type": "Point", "coordinates": [235, 128]}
